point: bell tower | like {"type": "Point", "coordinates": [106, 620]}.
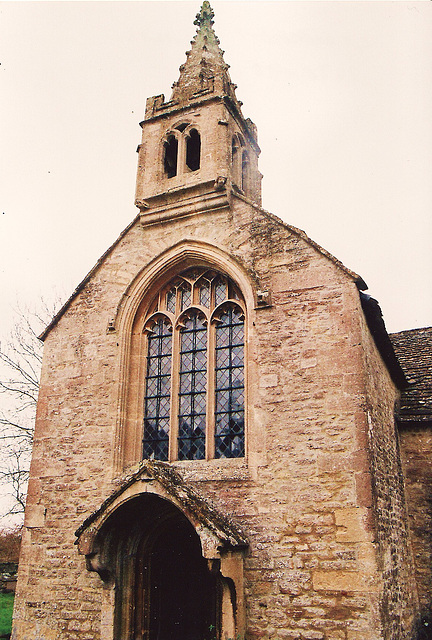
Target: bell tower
{"type": "Point", "coordinates": [197, 148]}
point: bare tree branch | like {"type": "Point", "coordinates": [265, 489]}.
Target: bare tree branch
{"type": "Point", "coordinates": [20, 363]}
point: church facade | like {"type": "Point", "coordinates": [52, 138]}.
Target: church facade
{"type": "Point", "coordinates": [216, 453]}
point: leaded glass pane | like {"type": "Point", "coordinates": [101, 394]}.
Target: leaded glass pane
{"type": "Point", "coordinates": [192, 405]}
{"type": "Point", "coordinates": [185, 384]}
{"type": "Point", "coordinates": [171, 300]}
{"type": "Point", "coordinates": [200, 380]}
{"type": "Point", "coordinates": [158, 393]}
{"type": "Point", "coordinates": [200, 358]}
{"type": "Point", "coordinates": [238, 334]}
{"type": "Point", "coordinates": [164, 406]}
{"type": "Point", "coordinates": [229, 418]}
{"type": "Point", "coordinates": [192, 448]}
{"type": "Point", "coordinates": [153, 346]}
{"type": "Point", "coordinates": [222, 378]}
{"type": "Point", "coordinates": [200, 403]}
{"type": "Point", "coordinates": [222, 357]}
{"type": "Point", "coordinates": [237, 377]}
{"type": "Point", "coordinates": [186, 362]}
{"type": "Point", "coordinates": [204, 293]}
{"type": "Point", "coordinates": [185, 404]}
{"type": "Point", "coordinates": [165, 364]}
{"type": "Point", "coordinates": [222, 423]}
{"type": "Point", "coordinates": [220, 291]}
{"type": "Point", "coordinates": [166, 345]}
{"type": "Point", "coordinates": [237, 356]}
{"type": "Point", "coordinates": [223, 335]}
{"type": "Point", "coordinates": [187, 341]}
{"type": "Point", "coordinates": [223, 399]}
{"type": "Point", "coordinates": [201, 340]}
{"type": "Point", "coordinates": [185, 296]}
{"type": "Point", "coordinates": [151, 407]}
{"type": "Point", "coordinates": [165, 384]}
{"type": "Point", "coordinates": [184, 429]}
{"type": "Point", "coordinates": [152, 386]}
{"type": "Point", "coordinates": [153, 365]}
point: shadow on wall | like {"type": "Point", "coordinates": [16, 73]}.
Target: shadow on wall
{"type": "Point", "coordinates": [424, 631]}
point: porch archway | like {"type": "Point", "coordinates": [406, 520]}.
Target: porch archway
{"type": "Point", "coordinates": [171, 564]}
{"type": "Point", "coordinates": [164, 587]}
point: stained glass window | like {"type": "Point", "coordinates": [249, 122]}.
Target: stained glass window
{"type": "Point", "coordinates": [158, 392]}
{"type": "Point", "coordinates": [179, 427]}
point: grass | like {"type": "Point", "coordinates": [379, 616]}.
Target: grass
{"type": "Point", "coordinates": [6, 607]}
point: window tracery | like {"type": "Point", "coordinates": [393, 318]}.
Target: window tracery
{"type": "Point", "coordinates": [194, 386]}
{"type": "Point", "coordinates": [182, 150]}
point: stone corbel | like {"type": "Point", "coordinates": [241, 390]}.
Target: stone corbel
{"type": "Point", "coordinates": [142, 204]}
{"type": "Point", "coordinates": [263, 299]}
{"type": "Point", "coordinates": [220, 182]}
{"type": "Point", "coordinates": [94, 562]}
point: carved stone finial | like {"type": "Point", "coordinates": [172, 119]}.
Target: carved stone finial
{"type": "Point", "coordinates": [205, 16]}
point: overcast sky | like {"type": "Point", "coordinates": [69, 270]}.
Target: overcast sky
{"type": "Point", "coordinates": [341, 93]}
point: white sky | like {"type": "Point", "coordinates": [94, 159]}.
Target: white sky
{"type": "Point", "coordinates": [341, 93]}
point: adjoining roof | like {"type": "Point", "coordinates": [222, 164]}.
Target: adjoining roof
{"type": "Point", "coordinates": [414, 351]}
{"type": "Point", "coordinates": [375, 322]}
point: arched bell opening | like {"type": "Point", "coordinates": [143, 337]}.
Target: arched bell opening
{"type": "Point", "coordinates": [170, 156]}
{"type": "Point", "coordinates": [165, 589]}
{"type": "Point", "coordinates": [193, 150]}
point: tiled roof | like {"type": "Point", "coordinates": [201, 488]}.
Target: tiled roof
{"type": "Point", "coordinates": [414, 351]}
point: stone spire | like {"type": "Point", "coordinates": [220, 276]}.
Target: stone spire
{"type": "Point", "coordinates": [205, 70]}
{"type": "Point", "coordinates": [197, 147]}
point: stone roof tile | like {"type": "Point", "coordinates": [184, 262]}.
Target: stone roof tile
{"type": "Point", "coordinates": [413, 349]}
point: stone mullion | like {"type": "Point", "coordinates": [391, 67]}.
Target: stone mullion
{"type": "Point", "coordinates": [175, 387]}
{"type": "Point", "coordinates": [211, 395]}
{"type": "Point", "coordinates": [181, 155]}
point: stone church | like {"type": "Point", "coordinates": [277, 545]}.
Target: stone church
{"type": "Point", "coordinates": [228, 443]}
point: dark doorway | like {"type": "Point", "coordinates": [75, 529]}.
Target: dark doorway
{"type": "Point", "coordinates": [164, 588]}
{"type": "Point", "coordinates": [173, 576]}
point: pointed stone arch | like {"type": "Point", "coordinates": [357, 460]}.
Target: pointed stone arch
{"type": "Point", "coordinates": [134, 306]}
{"type": "Point", "coordinates": [134, 528]}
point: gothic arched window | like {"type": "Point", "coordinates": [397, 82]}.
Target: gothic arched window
{"type": "Point", "coordinates": [194, 387]}
{"type": "Point", "coordinates": [245, 172]}
{"type": "Point", "coordinates": [181, 150]}
{"type": "Point", "coordinates": [193, 150]}
{"type": "Point", "coordinates": [170, 156]}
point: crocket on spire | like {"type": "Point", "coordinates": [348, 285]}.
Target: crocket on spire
{"type": "Point", "coordinates": [205, 69]}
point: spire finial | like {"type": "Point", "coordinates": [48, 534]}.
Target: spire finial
{"type": "Point", "coordinates": [205, 16]}
{"type": "Point", "coordinates": [205, 70]}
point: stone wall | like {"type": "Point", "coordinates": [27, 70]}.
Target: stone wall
{"type": "Point", "coordinates": [302, 495]}
{"type": "Point", "coordinates": [398, 603]}
{"type": "Point", "coordinates": [416, 451]}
